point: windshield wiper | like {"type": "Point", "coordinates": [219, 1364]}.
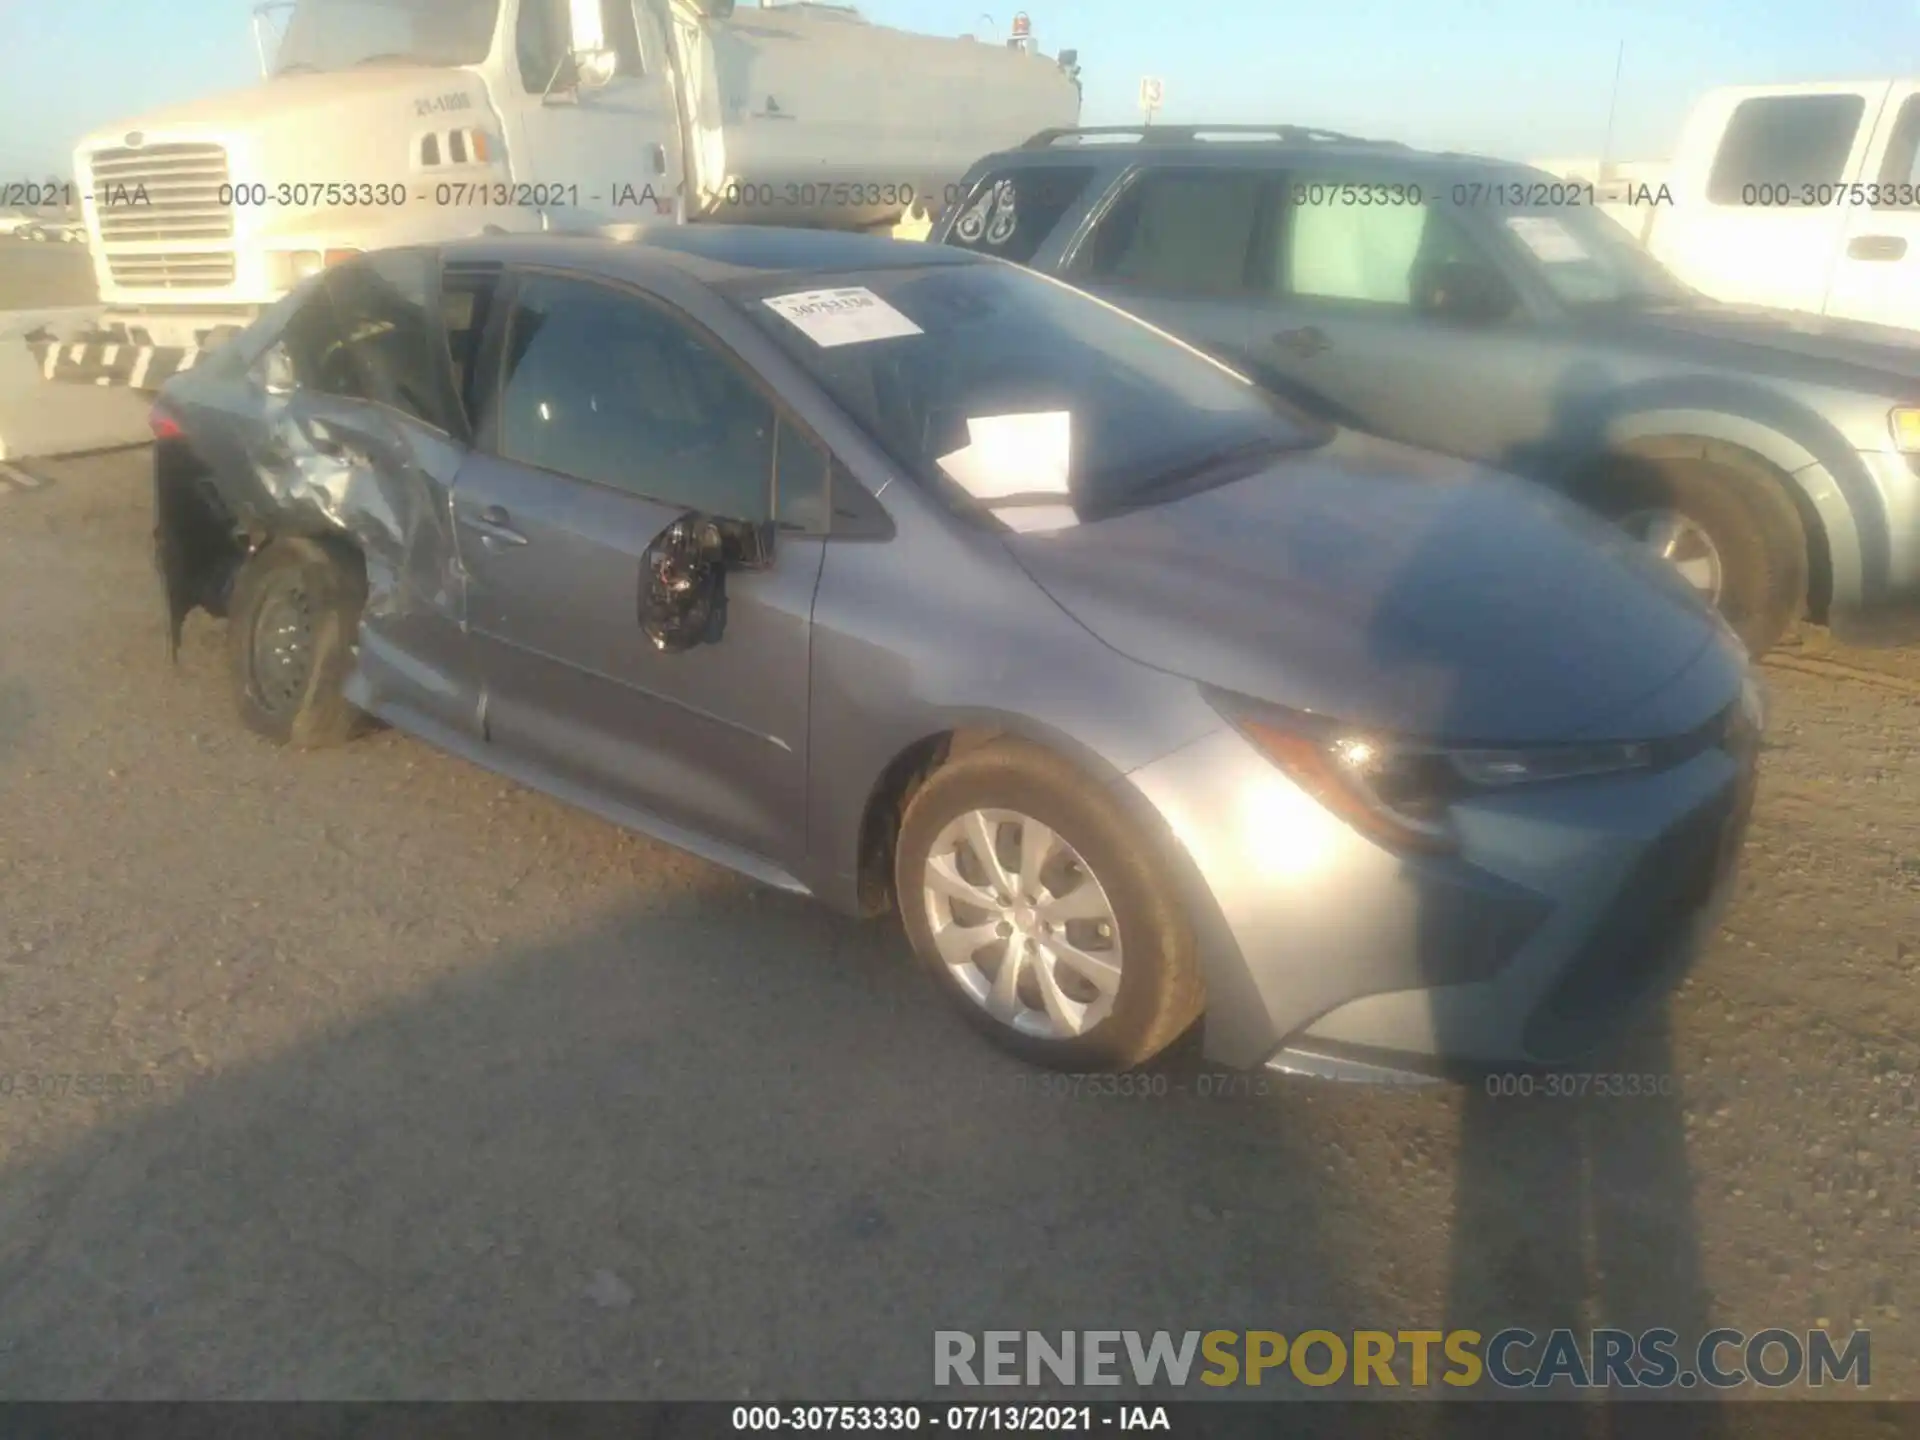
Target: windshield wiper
{"type": "Point", "coordinates": [1191, 470]}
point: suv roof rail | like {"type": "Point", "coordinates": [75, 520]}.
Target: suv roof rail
{"type": "Point", "coordinates": [1182, 133]}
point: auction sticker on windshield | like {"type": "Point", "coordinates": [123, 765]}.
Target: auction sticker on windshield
{"type": "Point", "coordinates": [1549, 240]}
{"type": "Point", "coordinates": [850, 316]}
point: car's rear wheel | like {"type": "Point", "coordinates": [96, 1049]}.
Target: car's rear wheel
{"type": "Point", "coordinates": [1726, 526]}
{"type": "Point", "coordinates": [1034, 904]}
{"type": "Point", "coordinates": [290, 632]}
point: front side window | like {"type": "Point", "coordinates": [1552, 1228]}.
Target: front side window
{"type": "Point", "coordinates": [1188, 232]}
{"type": "Point", "coordinates": [1900, 167]}
{"type": "Point", "coordinates": [602, 386]}
{"type": "Point", "coordinates": [1011, 212]}
{"type": "Point", "coordinates": [329, 35]}
{"type": "Point", "coordinates": [1782, 143]}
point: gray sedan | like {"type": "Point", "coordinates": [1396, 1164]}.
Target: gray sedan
{"type": "Point", "coordinates": [910, 580]}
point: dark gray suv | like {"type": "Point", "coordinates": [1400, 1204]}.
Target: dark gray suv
{"type": "Point", "coordinates": [1492, 312]}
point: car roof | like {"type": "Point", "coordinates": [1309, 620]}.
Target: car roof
{"type": "Point", "coordinates": [709, 255]}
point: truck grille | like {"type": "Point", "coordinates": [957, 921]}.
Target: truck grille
{"type": "Point", "coordinates": [182, 183]}
{"type": "Point", "coordinates": [172, 269]}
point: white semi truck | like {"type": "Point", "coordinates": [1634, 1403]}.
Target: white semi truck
{"type": "Point", "coordinates": [382, 122]}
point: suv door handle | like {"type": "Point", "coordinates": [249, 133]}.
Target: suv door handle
{"type": "Point", "coordinates": [495, 527]}
{"type": "Point", "coordinates": [1306, 342]}
{"type": "Point", "coordinates": [1877, 247]}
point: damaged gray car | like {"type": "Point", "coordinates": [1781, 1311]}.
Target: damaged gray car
{"type": "Point", "coordinates": [912, 581]}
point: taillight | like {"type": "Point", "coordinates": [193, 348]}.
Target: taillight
{"type": "Point", "coordinates": [163, 425]}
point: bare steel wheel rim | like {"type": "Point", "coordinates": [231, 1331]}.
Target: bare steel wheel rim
{"type": "Point", "coordinates": [1683, 543]}
{"type": "Point", "coordinates": [1023, 924]}
{"type": "Point", "coordinates": [282, 648]}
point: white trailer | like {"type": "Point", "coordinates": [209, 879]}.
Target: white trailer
{"type": "Point", "coordinates": [382, 122]}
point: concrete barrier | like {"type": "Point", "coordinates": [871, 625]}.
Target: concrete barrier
{"type": "Point", "coordinates": [40, 419]}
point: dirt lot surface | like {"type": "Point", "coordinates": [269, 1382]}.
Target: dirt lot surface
{"type": "Point", "coordinates": [40, 275]}
{"type": "Point", "coordinates": [442, 1089]}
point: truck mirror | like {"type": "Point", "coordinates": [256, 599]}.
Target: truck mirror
{"type": "Point", "coordinates": [593, 69]}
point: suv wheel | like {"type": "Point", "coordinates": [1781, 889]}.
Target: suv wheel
{"type": "Point", "coordinates": [1725, 524]}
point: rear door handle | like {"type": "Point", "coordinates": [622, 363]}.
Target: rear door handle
{"type": "Point", "coordinates": [495, 528]}
{"type": "Point", "coordinates": [1306, 342]}
{"type": "Point", "coordinates": [1877, 247]}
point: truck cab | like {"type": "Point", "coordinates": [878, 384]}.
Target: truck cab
{"type": "Point", "coordinates": [1798, 197]}
{"type": "Point", "coordinates": [384, 122]}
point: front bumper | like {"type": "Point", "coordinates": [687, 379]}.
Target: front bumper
{"type": "Point", "coordinates": [1567, 907]}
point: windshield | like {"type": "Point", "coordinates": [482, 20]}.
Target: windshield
{"type": "Point", "coordinates": [341, 34]}
{"type": "Point", "coordinates": [1589, 259]}
{"type": "Point", "coordinates": [1004, 390]}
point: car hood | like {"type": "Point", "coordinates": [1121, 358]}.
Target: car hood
{"type": "Point", "coordinates": [1389, 588]}
{"type": "Point", "coordinates": [1818, 348]}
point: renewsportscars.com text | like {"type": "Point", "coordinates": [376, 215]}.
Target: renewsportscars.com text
{"type": "Point", "coordinates": [1510, 1359]}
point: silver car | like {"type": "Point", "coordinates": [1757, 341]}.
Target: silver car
{"type": "Point", "coordinates": [912, 581]}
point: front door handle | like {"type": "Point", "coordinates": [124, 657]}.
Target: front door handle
{"type": "Point", "coordinates": [1306, 342]}
{"type": "Point", "coordinates": [1877, 247]}
{"type": "Point", "coordinates": [495, 528]}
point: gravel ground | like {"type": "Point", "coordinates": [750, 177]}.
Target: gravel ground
{"type": "Point", "coordinates": [452, 1091]}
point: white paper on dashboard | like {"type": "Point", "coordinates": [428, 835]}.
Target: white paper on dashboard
{"type": "Point", "coordinates": [1014, 455]}
{"type": "Point", "coordinates": [1550, 241]}
{"type": "Point", "coordinates": [1027, 518]}
{"type": "Point", "coordinates": [850, 316]}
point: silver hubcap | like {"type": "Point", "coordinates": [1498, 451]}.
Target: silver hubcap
{"type": "Point", "coordinates": [1023, 924]}
{"type": "Point", "coordinates": [1682, 543]}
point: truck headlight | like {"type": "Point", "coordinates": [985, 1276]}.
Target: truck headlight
{"type": "Point", "coordinates": [1905, 425]}
{"type": "Point", "coordinates": [1401, 792]}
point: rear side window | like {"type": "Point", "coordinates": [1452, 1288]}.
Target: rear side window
{"type": "Point", "coordinates": [386, 309]}
{"type": "Point", "coordinates": [1784, 141]}
{"type": "Point", "coordinates": [1010, 213]}
{"type": "Point", "coordinates": [1187, 232]}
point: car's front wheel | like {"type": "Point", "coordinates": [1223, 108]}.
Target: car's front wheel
{"type": "Point", "coordinates": [1042, 915]}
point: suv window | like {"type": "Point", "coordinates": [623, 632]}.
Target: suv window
{"type": "Point", "coordinates": [385, 308]}
{"type": "Point", "coordinates": [1784, 141]}
{"type": "Point", "coordinates": [1900, 170]}
{"type": "Point", "coordinates": [1339, 243]}
{"type": "Point", "coordinates": [1009, 213]}
{"type": "Point", "coordinates": [1188, 231]}
{"type": "Point", "coordinates": [601, 386]}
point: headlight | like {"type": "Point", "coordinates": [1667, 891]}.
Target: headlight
{"type": "Point", "coordinates": [1401, 792]}
{"type": "Point", "coordinates": [1905, 425]}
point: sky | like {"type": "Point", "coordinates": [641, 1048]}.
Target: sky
{"type": "Point", "coordinates": [1523, 79]}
